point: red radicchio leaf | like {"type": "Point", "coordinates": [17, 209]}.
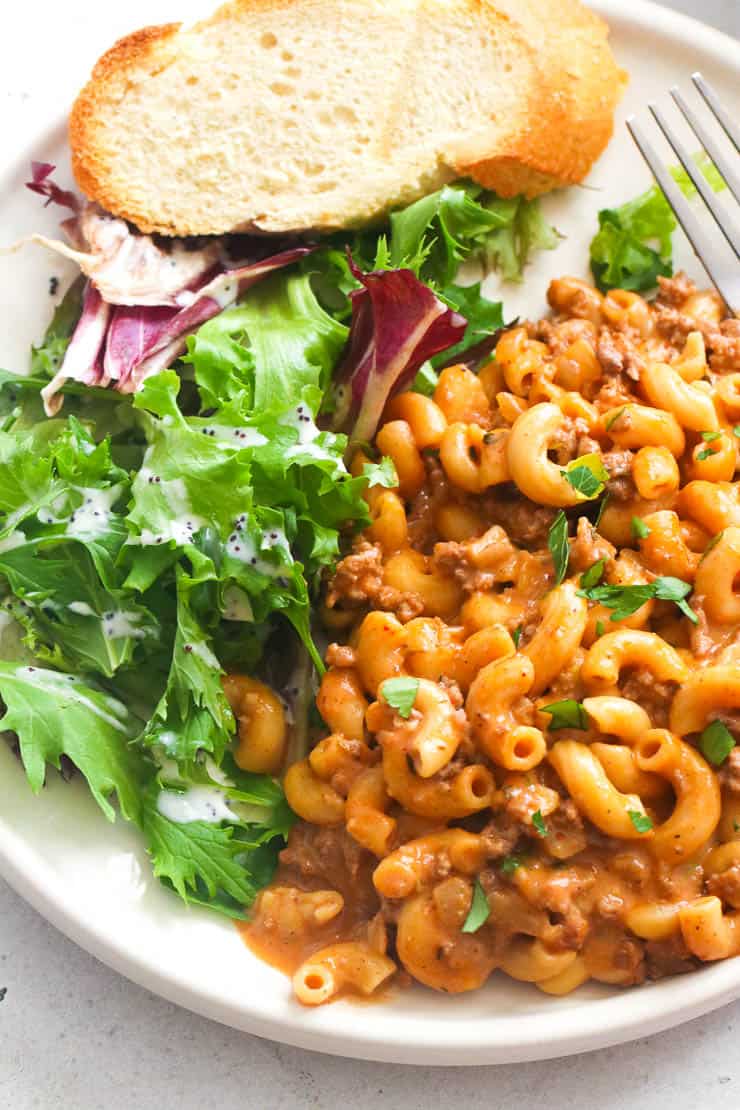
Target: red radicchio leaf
{"type": "Point", "coordinates": [127, 344]}
{"type": "Point", "coordinates": [42, 184]}
{"type": "Point", "coordinates": [83, 357]}
{"type": "Point", "coordinates": [132, 331]}
{"type": "Point", "coordinates": [397, 324]}
{"type": "Point", "coordinates": [223, 291]}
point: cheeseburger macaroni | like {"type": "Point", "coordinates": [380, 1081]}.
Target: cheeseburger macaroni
{"type": "Point", "coordinates": [532, 704]}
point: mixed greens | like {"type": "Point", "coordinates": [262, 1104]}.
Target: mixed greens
{"type": "Point", "coordinates": [634, 244]}
{"type": "Point", "coordinates": [144, 547]}
{"type": "Point", "coordinates": [173, 486]}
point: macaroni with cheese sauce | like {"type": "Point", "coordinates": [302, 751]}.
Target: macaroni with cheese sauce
{"type": "Point", "coordinates": [533, 700]}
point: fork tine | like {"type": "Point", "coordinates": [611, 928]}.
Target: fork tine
{"type": "Point", "coordinates": [722, 278]}
{"type": "Point", "coordinates": [712, 148]}
{"type": "Point", "coordinates": [727, 223]}
{"type": "Point", "coordinates": [714, 102]}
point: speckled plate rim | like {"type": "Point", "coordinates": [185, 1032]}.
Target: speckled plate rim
{"type": "Point", "coordinates": [433, 1030]}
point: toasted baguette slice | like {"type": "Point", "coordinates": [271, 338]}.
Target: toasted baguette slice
{"type": "Point", "coordinates": [285, 115]}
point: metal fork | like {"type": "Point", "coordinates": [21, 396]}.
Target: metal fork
{"type": "Point", "coordinates": [722, 265]}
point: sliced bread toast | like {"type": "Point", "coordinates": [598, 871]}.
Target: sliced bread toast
{"type": "Point", "coordinates": [285, 115]}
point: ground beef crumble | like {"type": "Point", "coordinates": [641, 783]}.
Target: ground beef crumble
{"type": "Point", "coordinates": [526, 523]}
{"type": "Point", "coordinates": [588, 547]}
{"type": "Point", "coordinates": [724, 347]}
{"type": "Point", "coordinates": [726, 885]}
{"type": "Point", "coordinates": [618, 355]}
{"type": "Point", "coordinates": [655, 697]}
{"type": "Point", "coordinates": [422, 510]}
{"type": "Point", "coordinates": [668, 957]}
{"type": "Point", "coordinates": [629, 958]}
{"type": "Point", "coordinates": [500, 835]}
{"type": "Point", "coordinates": [618, 463]}
{"type": "Point", "coordinates": [481, 563]}
{"type": "Point", "coordinates": [565, 829]}
{"type": "Point", "coordinates": [358, 581]}
{"type": "Point", "coordinates": [327, 854]}
{"type": "Point", "coordinates": [674, 290]}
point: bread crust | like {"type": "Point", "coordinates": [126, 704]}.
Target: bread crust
{"type": "Point", "coordinates": [567, 121]}
{"type": "Point", "coordinates": [110, 72]}
{"type": "Point", "coordinates": [572, 115]}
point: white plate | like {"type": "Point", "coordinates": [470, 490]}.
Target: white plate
{"type": "Point", "coordinates": [92, 880]}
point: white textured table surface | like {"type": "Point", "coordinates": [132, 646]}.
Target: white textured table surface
{"type": "Point", "coordinates": [74, 1034]}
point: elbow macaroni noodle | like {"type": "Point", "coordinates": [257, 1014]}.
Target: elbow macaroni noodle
{"type": "Point", "coordinates": [546, 801]}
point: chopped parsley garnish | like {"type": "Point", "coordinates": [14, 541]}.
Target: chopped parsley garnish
{"type": "Point", "coordinates": [639, 528]}
{"type": "Point", "coordinates": [593, 575]}
{"type": "Point", "coordinates": [736, 431]}
{"type": "Point", "coordinates": [675, 590]}
{"type": "Point", "coordinates": [600, 512]}
{"type": "Point", "coordinates": [600, 628]}
{"type": "Point", "coordinates": [587, 475]}
{"type": "Point", "coordinates": [382, 473]}
{"type": "Point", "coordinates": [538, 821]}
{"type": "Point", "coordinates": [641, 821]}
{"type": "Point", "coordinates": [708, 437]}
{"type": "Point", "coordinates": [480, 911]}
{"type": "Point", "coordinates": [716, 742]}
{"type": "Point", "coordinates": [517, 635]}
{"type": "Point", "coordinates": [557, 541]}
{"type": "Point", "coordinates": [400, 694]}
{"type": "Point", "coordinates": [626, 600]}
{"type": "Point", "coordinates": [567, 714]}
{"type": "Point", "coordinates": [511, 864]}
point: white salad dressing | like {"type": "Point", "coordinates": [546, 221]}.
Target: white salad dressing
{"type": "Point", "coordinates": [39, 676]}
{"type": "Point", "coordinates": [197, 803]}
{"type": "Point", "coordinates": [241, 546]}
{"type": "Point", "coordinates": [204, 653]}
{"type": "Point", "coordinates": [224, 295]}
{"type": "Point", "coordinates": [236, 436]}
{"type": "Point", "coordinates": [46, 516]}
{"type": "Point", "coordinates": [170, 772]}
{"type": "Point", "coordinates": [183, 522]}
{"type": "Point", "coordinates": [237, 606]}
{"type": "Point", "coordinates": [214, 772]}
{"type": "Point", "coordinates": [81, 608]}
{"type": "Point", "coordinates": [120, 624]}
{"type": "Point", "coordinates": [93, 516]}
{"type": "Point", "coordinates": [11, 541]}
{"type": "Point", "coordinates": [275, 537]}
{"type": "Point", "coordinates": [301, 419]}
